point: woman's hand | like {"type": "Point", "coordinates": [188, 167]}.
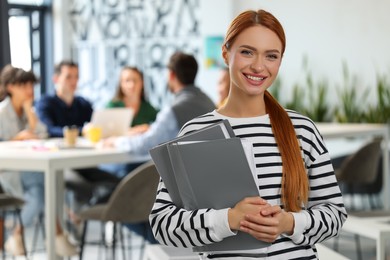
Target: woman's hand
{"type": "Point", "coordinates": [30, 113]}
{"type": "Point", "coordinates": [269, 224]}
{"type": "Point", "coordinates": [26, 134]}
{"type": "Point", "coordinates": [138, 129]}
{"type": "Point", "coordinates": [250, 205]}
{"type": "Point", "coordinates": [108, 142]}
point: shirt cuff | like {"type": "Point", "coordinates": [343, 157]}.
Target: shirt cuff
{"type": "Point", "coordinates": [220, 224]}
{"type": "Point", "coordinates": [301, 222]}
{"type": "Point", "coordinates": [122, 143]}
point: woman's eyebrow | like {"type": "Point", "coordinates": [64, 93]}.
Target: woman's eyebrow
{"type": "Point", "coordinates": [254, 49]}
{"type": "Point", "coordinates": [248, 47]}
{"type": "Point", "coordinates": [274, 50]}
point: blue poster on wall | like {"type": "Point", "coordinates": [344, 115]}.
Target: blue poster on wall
{"type": "Point", "coordinates": [213, 52]}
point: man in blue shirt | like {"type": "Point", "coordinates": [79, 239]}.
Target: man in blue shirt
{"type": "Point", "coordinates": [62, 109]}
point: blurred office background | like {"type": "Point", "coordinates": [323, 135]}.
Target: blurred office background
{"type": "Point", "coordinates": [335, 44]}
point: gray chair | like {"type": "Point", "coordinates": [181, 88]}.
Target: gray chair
{"type": "Point", "coordinates": [131, 202]}
{"type": "Point", "coordinates": [359, 172]}
{"type": "Point", "coordinates": [10, 203]}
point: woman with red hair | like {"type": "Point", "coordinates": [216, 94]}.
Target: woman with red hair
{"type": "Point", "coordinates": [299, 202]}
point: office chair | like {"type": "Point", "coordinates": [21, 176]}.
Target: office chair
{"type": "Point", "coordinates": [360, 173]}
{"type": "Point", "coordinates": [131, 202]}
{"type": "Point", "coordinates": [10, 203]}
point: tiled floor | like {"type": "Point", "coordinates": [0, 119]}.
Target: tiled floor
{"type": "Point", "coordinates": [346, 246]}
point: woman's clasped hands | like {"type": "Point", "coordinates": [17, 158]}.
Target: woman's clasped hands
{"type": "Point", "coordinates": [253, 215]}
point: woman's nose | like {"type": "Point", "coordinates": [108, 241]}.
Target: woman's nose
{"type": "Point", "coordinates": [257, 65]}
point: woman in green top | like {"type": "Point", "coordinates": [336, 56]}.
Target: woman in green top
{"type": "Point", "coordinates": [130, 93]}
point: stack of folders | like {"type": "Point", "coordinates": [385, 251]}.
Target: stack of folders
{"type": "Point", "coordinates": [209, 168]}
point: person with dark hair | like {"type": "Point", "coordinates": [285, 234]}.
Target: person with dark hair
{"type": "Point", "coordinates": [189, 102]}
{"type": "Point", "coordinates": [64, 108]}
{"type": "Point", "coordinates": [19, 122]}
{"type": "Point", "coordinates": [299, 202]}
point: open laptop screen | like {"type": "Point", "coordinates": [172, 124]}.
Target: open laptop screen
{"type": "Point", "coordinates": [113, 121]}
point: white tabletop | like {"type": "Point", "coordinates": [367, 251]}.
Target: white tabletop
{"type": "Point", "coordinates": [339, 130]}
{"type": "Point", "coordinates": [33, 154]}
{"type": "Point", "coordinates": [51, 158]}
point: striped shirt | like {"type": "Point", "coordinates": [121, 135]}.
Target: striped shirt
{"type": "Point", "coordinates": [320, 220]}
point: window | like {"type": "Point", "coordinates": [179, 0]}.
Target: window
{"type": "Point", "coordinates": [29, 40]}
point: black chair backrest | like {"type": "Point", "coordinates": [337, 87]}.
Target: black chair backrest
{"type": "Point", "coordinates": [362, 166]}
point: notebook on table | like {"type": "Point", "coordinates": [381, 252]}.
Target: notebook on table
{"type": "Point", "coordinates": [113, 121]}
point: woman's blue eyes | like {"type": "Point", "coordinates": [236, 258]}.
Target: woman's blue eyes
{"type": "Point", "coordinates": [268, 56]}
{"type": "Point", "coordinates": [272, 56]}
{"type": "Point", "coordinates": [246, 52]}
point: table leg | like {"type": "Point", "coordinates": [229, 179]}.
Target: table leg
{"type": "Point", "coordinates": [50, 212]}
{"type": "Point", "coordinates": [380, 248]}
{"type": "Point", "coordinates": [385, 172]}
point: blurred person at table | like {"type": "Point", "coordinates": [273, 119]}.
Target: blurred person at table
{"type": "Point", "coordinates": [65, 108]}
{"type": "Point", "coordinates": [189, 102]}
{"type": "Point", "coordinates": [19, 122]}
{"type": "Point", "coordinates": [130, 94]}
{"type": "Point", "coordinates": [223, 86]}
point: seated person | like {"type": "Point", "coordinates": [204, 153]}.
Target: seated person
{"type": "Point", "coordinates": [189, 102]}
{"type": "Point", "coordinates": [19, 122]}
{"type": "Point", "coordinates": [130, 93]}
{"type": "Point", "coordinates": [62, 109]}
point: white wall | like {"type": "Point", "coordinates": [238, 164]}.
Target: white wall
{"type": "Point", "coordinates": [331, 32]}
{"type": "Point", "coordinates": [214, 18]}
{"type": "Point", "coordinates": [61, 41]}
{"type": "Point", "coordinates": [327, 32]}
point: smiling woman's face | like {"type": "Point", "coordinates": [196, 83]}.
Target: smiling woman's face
{"type": "Point", "coordinates": [254, 59]}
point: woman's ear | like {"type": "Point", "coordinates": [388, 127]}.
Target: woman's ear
{"type": "Point", "coordinates": [225, 55]}
{"type": "Point", "coordinates": [9, 88]}
{"type": "Point", "coordinates": [171, 75]}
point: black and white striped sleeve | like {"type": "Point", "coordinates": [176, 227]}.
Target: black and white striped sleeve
{"type": "Point", "coordinates": [325, 212]}
{"type": "Point", "coordinates": [178, 227]}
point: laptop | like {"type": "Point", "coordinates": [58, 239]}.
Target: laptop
{"type": "Point", "coordinates": [113, 121]}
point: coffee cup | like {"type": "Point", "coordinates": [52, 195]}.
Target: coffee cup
{"type": "Point", "coordinates": [70, 135]}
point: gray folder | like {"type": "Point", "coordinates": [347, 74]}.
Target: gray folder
{"type": "Point", "coordinates": [215, 174]}
{"type": "Point", "coordinates": [160, 155]}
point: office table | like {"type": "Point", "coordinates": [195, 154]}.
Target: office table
{"type": "Point", "coordinates": [377, 228]}
{"type": "Point", "coordinates": [39, 157]}
{"type": "Point", "coordinates": [331, 131]}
